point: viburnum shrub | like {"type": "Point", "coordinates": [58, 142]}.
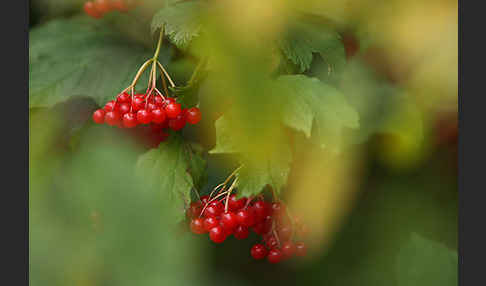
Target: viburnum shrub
{"type": "Point", "coordinates": [153, 107]}
{"type": "Point", "coordinates": [222, 214]}
{"type": "Point", "coordinates": [98, 8]}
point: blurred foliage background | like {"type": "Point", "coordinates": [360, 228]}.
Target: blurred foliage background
{"type": "Point", "coordinates": [369, 147]}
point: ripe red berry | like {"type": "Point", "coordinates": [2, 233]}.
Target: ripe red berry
{"type": "Point", "coordinates": [217, 234]}
{"type": "Point", "coordinates": [144, 116]}
{"type": "Point", "coordinates": [246, 217]}
{"type": "Point", "coordinates": [124, 108]}
{"type": "Point", "coordinates": [112, 118]}
{"type": "Point", "coordinates": [193, 115]}
{"type": "Point", "coordinates": [169, 100]}
{"type": "Point", "coordinates": [285, 232]}
{"type": "Point", "coordinates": [103, 6]}
{"type": "Point", "coordinates": [138, 103]}
{"type": "Point", "coordinates": [129, 120]}
{"type": "Point", "coordinates": [197, 226]}
{"type": "Point", "coordinates": [177, 123]}
{"type": "Point", "coordinates": [210, 222]}
{"type": "Point", "coordinates": [229, 220]}
{"type": "Point", "coordinates": [263, 227]}
{"type": "Point", "coordinates": [258, 251]}
{"type": "Point", "coordinates": [274, 256]}
{"type": "Point", "coordinates": [158, 115]}
{"type": "Point", "coordinates": [213, 211]}
{"type": "Point", "coordinates": [110, 106]}
{"type": "Point", "coordinates": [99, 116]}
{"type": "Point", "coordinates": [241, 232]}
{"type": "Point", "coordinates": [124, 97]}
{"type": "Point", "coordinates": [90, 9]}
{"type": "Point", "coordinates": [300, 249]}
{"type": "Point", "coordinates": [235, 204]}
{"type": "Point", "coordinates": [204, 199]}
{"type": "Point", "coordinates": [194, 210]}
{"type": "Point", "coordinates": [120, 5]}
{"type": "Point", "coordinates": [288, 249]}
{"type": "Point", "coordinates": [261, 210]}
{"type": "Point", "coordinates": [278, 209]}
{"type": "Point", "coordinates": [159, 101]}
{"type": "Point", "coordinates": [271, 242]}
{"type": "Point", "coordinates": [173, 109]}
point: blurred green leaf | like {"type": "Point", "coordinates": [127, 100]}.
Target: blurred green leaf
{"type": "Point", "coordinates": [80, 57]}
{"type": "Point", "coordinates": [303, 38]}
{"type": "Point", "coordinates": [425, 262]}
{"type": "Point", "coordinates": [307, 99]}
{"type": "Point", "coordinates": [174, 169]}
{"type": "Point", "coordinates": [182, 22]}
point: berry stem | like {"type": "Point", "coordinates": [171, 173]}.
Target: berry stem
{"type": "Point", "coordinates": [235, 182]}
{"type": "Point", "coordinates": [166, 74]}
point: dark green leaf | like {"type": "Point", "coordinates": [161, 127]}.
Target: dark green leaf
{"type": "Point", "coordinates": [182, 22]}
{"type": "Point", "coordinates": [174, 169]}
{"type": "Point", "coordinates": [81, 57]}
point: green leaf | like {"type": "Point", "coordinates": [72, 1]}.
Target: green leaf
{"type": "Point", "coordinates": [174, 169]}
{"type": "Point", "coordinates": [308, 100]}
{"type": "Point", "coordinates": [187, 95]}
{"type": "Point", "coordinates": [425, 262]}
{"type": "Point", "coordinates": [182, 22]}
{"type": "Point", "coordinates": [304, 38]}
{"type": "Point", "coordinates": [272, 169]}
{"type": "Point", "coordinates": [81, 57]}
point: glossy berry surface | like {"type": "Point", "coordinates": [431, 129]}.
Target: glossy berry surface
{"type": "Point", "coordinates": [229, 220]}
{"type": "Point", "coordinates": [300, 249]}
{"type": "Point", "coordinates": [91, 10]}
{"type": "Point", "coordinates": [193, 115]}
{"type": "Point", "coordinates": [210, 222]}
{"type": "Point", "coordinates": [129, 120]}
{"type": "Point", "coordinates": [274, 256]}
{"type": "Point", "coordinates": [217, 234]}
{"type": "Point", "coordinates": [245, 217]}
{"type": "Point", "coordinates": [173, 110]}
{"type": "Point", "coordinates": [241, 232]}
{"type": "Point", "coordinates": [112, 118]}
{"type": "Point", "coordinates": [197, 226]}
{"type": "Point", "coordinates": [144, 116]}
{"type": "Point", "coordinates": [99, 116]}
{"type": "Point", "coordinates": [258, 251]}
{"type": "Point", "coordinates": [288, 249]}
{"type": "Point", "coordinates": [158, 115]}
{"type": "Point", "coordinates": [235, 204]}
{"type": "Point", "coordinates": [177, 123]}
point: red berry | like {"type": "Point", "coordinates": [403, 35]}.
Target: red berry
{"type": "Point", "coordinates": [103, 6]}
{"type": "Point", "coordinates": [261, 210]}
{"type": "Point", "coordinates": [124, 97]}
{"type": "Point", "coordinates": [151, 106]}
{"type": "Point", "coordinates": [144, 116]}
{"type": "Point", "coordinates": [169, 100]}
{"type": "Point", "coordinates": [263, 227]}
{"type": "Point", "coordinates": [274, 256]}
{"type": "Point", "coordinates": [177, 123]}
{"type": "Point", "coordinates": [288, 249]}
{"type": "Point", "coordinates": [120, 5]}
{"type": "Point", "coordinates": [110, 106]}
{"type": "Point", "coordinates": [210, 222]}
{"type": "Point", "coordinates": [99, 116]}
{"type": "Point", "coordinates": [173, 109]}
{"type": "Point", "coordinates": [285, 232]}
{"type": "Point", "coordinates": [204, 199]}
{"type": "Point", "coordinates": [278, 209]}
{"type": "Point", "coordinates": [245, 217]}
{"type": "Point", "coordinates": [217, 234]}
{"type": "Point", "coordinates": [229, 220]}
{"type": "Point", "coordinates": [112, 118]}
{"type": "Point", "coordinates": [129, 120]}
{"type": "Point", "coordinates": [194, 209]}
{"type": "Point", "coordinates": [159, 101]}
{"type": "Point", "coordinates": [138, 103]}
{"type": "Point", "coordinates": [241, 232]}
{"type": "Point", "coordinates": [91, 10]}
{"type": "Point", "coordinates": [213, 211]}
{"type": "Point", "coordinates": [197, 226]}
{"type": "Point", "coordinates": [158, 115]}
{"type": "Point", "coordinates": [258, 251]}
{"type": "Point", "coordinates": [193, 115]}
{"type": "Point", "coordinates": [300, 249]}
{"type": "Point", "coordinates": [271, 242]}
{"type": "Point", "coordinates": [235, 204]}
{"type": "Point", "coordinates": [124, 108]}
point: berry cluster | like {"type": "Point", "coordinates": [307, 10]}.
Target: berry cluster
{"type": "Point", "coordinates": [160, 112]}
{"type": "Point", "coordinates": [238, 216]}
{"type": "Point", "coordinates": [98, 8]}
